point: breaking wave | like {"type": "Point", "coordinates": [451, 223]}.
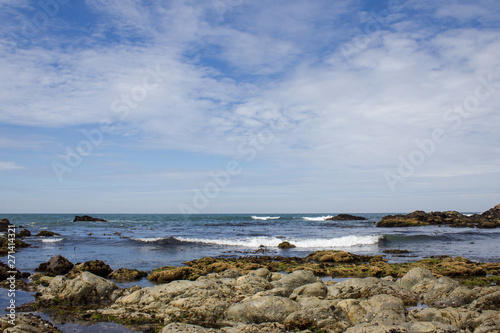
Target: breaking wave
{"type": "Point", "coordinates": [320, 218]}
{"type": "Point", "coordinates": [265, 218]}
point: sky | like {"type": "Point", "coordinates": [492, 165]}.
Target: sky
{"type": "Point", "coordinates": [249, 106]}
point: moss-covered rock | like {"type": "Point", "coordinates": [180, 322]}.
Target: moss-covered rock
{"type": "Point", "coordinates": [285, 245]}
{"type": "Point", "coordinates": [126, 274]}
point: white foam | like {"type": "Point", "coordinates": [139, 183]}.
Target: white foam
{"type": "Point", "coordinates": [265, 218]}
{"type": "Point", "coordinates": [315, 243]}
{"type": "Point", "coordinates": [148, 240]}
{"type": "Point", "coordinates": [320, 218]}
{"type": "Point", "coordinates": [52, 240]}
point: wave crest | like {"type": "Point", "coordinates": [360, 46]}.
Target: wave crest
{"type": "Point", "coordinates": [320, 218]}
{"type": "Point", "coordinates": [265, 218]}
{"type": "Point", "coordinates": [314, 243]}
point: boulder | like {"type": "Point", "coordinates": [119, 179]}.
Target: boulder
{"type": "Point", "coordinates": [345, 217]}
{"type": "Point", "coordinates": [97, 267]}
{"type": "Point", "coordinates": [57, 265]}
{"type": "Point", "coordinates": [4, 225]}
{"type": "Point", "coordinates": [356, 288]}
{"type": "Point", "coordinates": [87, 218]}
{"type": "Point", "coordinates": [285, 245]}
{"type": "Point", "coordinates": [85, 289]}
{"type": "Point", "coordinates": [420, 327]}
{"type": "Point", "coordinates": [251, 284]}
{"type": "Point", "coordinates": [317, 289]}
{"type": "Point", "coordinates": [24, 233]}
{"type": "Point", "coordinates": [414, 276]}
{"type": "Point", "coordinates": [295, 279]}
{"type": "Point", "coordinates": [262, 309]}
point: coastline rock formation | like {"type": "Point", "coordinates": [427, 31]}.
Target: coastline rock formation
{"type": "Point", "coordinates": [4, 225]}
{"type": "Point", "coordinates": [488, 219]}
{"type": "Point", "coordinates": [345, 217]}
{"type": "Point", "coordinates": [87, 218]}
{"type": "Point", "coordinates": [262, 301]}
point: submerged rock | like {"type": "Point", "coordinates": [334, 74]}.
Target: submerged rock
{"type": "Point", "coordinates": [46, 233]}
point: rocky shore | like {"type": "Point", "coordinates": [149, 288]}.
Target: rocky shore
{"type": "Point", "coordinates": [488, 219]}
{"type": "Point", "coordinates": [274, 294]}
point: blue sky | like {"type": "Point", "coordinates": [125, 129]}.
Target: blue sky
{"type": "Point", "coordinates": [238, 106]}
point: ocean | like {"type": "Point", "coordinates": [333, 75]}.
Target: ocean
{"type": "Point", "coordinates": [148, 241]}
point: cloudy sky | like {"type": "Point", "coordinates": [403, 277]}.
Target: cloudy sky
{"type": "Point", "coordinates": [239, 106]}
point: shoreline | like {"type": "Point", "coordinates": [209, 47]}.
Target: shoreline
{"type": "Point", "coordinates": [55, 298]}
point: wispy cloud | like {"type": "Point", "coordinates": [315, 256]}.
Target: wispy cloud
{"type": "Point", "coordinates": [7, 166]}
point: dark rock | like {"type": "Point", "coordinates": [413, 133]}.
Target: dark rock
{"type": "Point", "coordinates": [488, 219]}
{"type": "Point", "coordinates": [285, 245]}
{"type": "Point", "coordinates": [4, 225]}
{"type": "Point", "coordinates": [57, 265]}
{"type": "Point", "coordinates": [7, 244]}
{"type": "Point", "coordinates": [125, 274]}
{"type": "Point", "coordinates": [396, 251]}
{"type": "Point", "coordinates": [87, 218]}
{"type": "Point", "coordinates": [96, 267]}
{"type": "Point", "coordinates": [46, 233]}
{"type": "Point", "coordinates": [345, 217]}
{"type": "Point", "coordinates": [24, 233]}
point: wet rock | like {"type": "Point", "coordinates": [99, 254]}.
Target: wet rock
{"type": "Point", "coordinates": [4, 225]}
{"type": "Point", "coordinates": [126, 274]}
{"type": "Point", "coordinates": [57, 265]}
{"type": "Point", "coordinates": [97, 267]}
{"type": "Point", "coordinates": [450, 316]}
{"type": "Point", "coordinates": [87, 218]}
{"type": "Point", "coordinates": [345, 217]}
{"type": "Point", "coordinates": [262, 309]}
{"type": "Point", "coordinates": [458, 297]}
{"type": "Point", "coordinates": [25, 323]}
{"type": "Point", "coordinates": [46, 233]}
{"type": "Point", "coordinates": [337, 257]}
{"type": "Point", "coordinates": [85, 289]}
{"type": "Point", "coordinates": [6, 245]}
{"type": "Point", "coordinates": [24, 233]}
{"type": "Point", "coordinates": [285, 245]}
{"type": "Point", "coordinates": [170, 273]}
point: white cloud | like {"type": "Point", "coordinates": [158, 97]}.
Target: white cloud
{"type": "Point", "coordinates": [7, 166]}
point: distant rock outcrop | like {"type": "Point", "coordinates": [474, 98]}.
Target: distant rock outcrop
{"type": "Point", "coordinates": [345, 217]}
{"type": "Point", "coordinates": [488, 219]}
{"type": "Point", "coordinates": [87, 218]}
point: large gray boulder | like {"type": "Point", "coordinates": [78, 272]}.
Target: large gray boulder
{"type": "Point", "coordinates": [317, 289]}
{"type": "Point", "coordinates": [187, 328]}
{"type": "Point", "coordinates": [262, 310]}
{"type": "Point", "coordinates": [295, 280]}
{"type": "Point", "coordinates": [414, 276]}
{"type": "Point", "coordinates": [85, 289]}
